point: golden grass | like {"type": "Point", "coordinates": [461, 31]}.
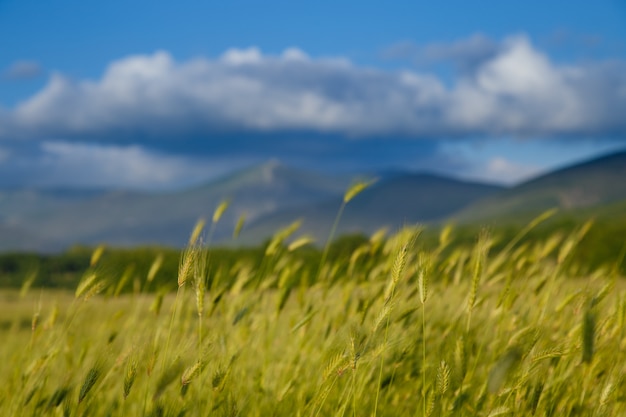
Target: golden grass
{"type": "Point", "coordinates": [392, 331]}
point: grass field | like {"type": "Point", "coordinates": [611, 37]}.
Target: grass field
{"type": "Point", "coordinates": [392, 330]}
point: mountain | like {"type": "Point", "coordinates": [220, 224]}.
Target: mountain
{"type": "Point", "coordinates": [19, 203]}
{"type": "Point", "coordinates": [590, 184]}
{"type": "Point", "coordinates": [273, 195]}
{"type": "Point", "coordinates": [131, 218]}
{"type": "Point", "coordinates": [21, 208]}
{"type": "Point", "coordinates": [398, 200]}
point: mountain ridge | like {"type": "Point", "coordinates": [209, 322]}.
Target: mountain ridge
{"type": "Point", "coordinates": [404, 199]}
{"type": "Point", "coordinates": [592, 182]}
{"type": "Point", "coordinates": [272, 194]}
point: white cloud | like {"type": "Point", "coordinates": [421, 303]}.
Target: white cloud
{"type": "Point", "coordinates": [518, 70]}
{"type": "Point", "coordinates": [294, 54]}
{"type": "Point", "coordinates": [242, 56]}
{"type": "Point", "coordinates": [515, 90]}
{"type": "Point", "coordinates": [504, 171]}
{"type": "Point", "coordinates": [89, 165]}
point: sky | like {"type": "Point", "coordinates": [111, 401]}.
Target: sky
{"type": "Point", "coordinates": [161, 95]}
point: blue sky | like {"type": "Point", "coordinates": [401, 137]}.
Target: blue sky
{"type": "Point", "coordinates": [140, 94]}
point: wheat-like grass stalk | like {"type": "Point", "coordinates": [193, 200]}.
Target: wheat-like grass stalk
{"type": "Point", "coordinates": [200, 277]}
{"type": "Point", "coordinates": [154, 268]}
{"type": "Point", "coordinates": [460, 359]}
{"type": "Point", "coordinates": [397, 272]}
{"type": "Point", "coordinates": [95, 289]}
{"type": "Point", "coordinates": [219, 377]}
{"type": "Point", "coordinates": [239, 226]}
{"type": "Point", "coordinates": [186, 269]}
{"type": "Point", "coordinates": [219, 210]}
{"type": "Point", "coordinates": [422, 284]}
{"type": "Point", "coordinates": [279, 238]}
{"type": "Point", "coordinates": [605, 397]}
{"type": "Point", "coordinates": [128, 272]}
{"type": "Point", "coordinates": [34, 322]}
{"type": "Point", "coordinates": [500, 411]}
{"type": "Point", "coordinates": [52, 317]}
{"type": "Point", "coordinates": [157, 303]}
{"type": "Point", "coordinates": [478, 268]}
{"type": "Point", "coordinates": [27, 283]}
{"type": "Point", "coordinates": [59, 395]}
{"type": "Point", "coordinates": [429, 402]}
{"type": "Point", "coordinates": [423, 277]}
{"type": "Point", "coordinates": [188, 375]}
{"type": "Point", "coordinates": [355, 355]}
{"type": "Point", "coordinates": [530, 226]}
{"type": "Point", "coordinates": [129, 376]}
{"type": "Point", "coordinates": [443, 378]}
{"type": "Point", "coordinates": [96, 255]}
{"type": "Point", "coordinates": [300, 242]}
{"type": "Point", "coordinates": [90, 380]}
{"type": "Point", "coordinates": [537, 390]}
{"type": "Point", "coordinates": [523, 365]}
{"type": "Point", "coordinates": [350, 194]}
{"type": "Point", "coordinates": [357, 188]}
{"type": "Point", "coordinates": [337, 361]}
{"type": "Point", "coordinates": [588, 335]}
{"type": "Point", "coordinates": [86, 283]}
{"type": "Point", "coordinates": [217, 215]}
{"type": "Point", "coordinates": [186, 265]}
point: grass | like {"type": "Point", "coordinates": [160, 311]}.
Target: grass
{"type": "Point", "coordinates": [394, 330]}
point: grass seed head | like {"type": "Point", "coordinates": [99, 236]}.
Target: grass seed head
{"type": "Point", "coordinates": [239, 225]}
{"type": "Point", "coordinates": [85, 284]}
{"type": "Point", "coordinates": [190, 373]}
{"type": "Point", "coordinates": [356, 189]}
{"type": "Point", "coordinates": [423, 277]}
{"type": "Point", "coordinates": [186, 266]}
{"type": "Point", "coordinates": [194, 237]}
{"type": "Point", "coordinates": [443, 377]}
{"type": "Point", "coordinates": [154, 268]}
{"type": "Point", "coordinates": [90, 380]}
{"type": "Point", "coordinates": [96, 255]}
{"type": "Point", "coordinates": [300, 242]}
{"type": "Point", "coordinates": [129, 376]}
{"type": "Point", "coordinates": [219, 210]}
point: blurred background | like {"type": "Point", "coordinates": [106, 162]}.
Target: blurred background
{"type": "Point", "coordinates": [124, 122]}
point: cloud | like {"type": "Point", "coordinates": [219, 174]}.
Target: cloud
{"type": "Point", "coordinates": [84, 165]}
{"type": "Point", "coordinates": [61, 164]}
{"type": "Point", "coordinates": [153, 121]}
{"type": "Point", "coordinates": [504, 171]}
{"type": "Point", "coordinates": [515, 91]}
{"type": "Point", "coordinates": [23, 70]}
{"type": "Point", "coordinates": [465, 54]}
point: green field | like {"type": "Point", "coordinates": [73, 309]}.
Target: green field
{"type": "Point", "coordinates": [395, 327]}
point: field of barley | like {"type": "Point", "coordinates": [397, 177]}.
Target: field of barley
{"type": "Point", "coordinates": [393, 329]}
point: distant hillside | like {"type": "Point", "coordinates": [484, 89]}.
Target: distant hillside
{"type": "Point", "coordinates": [21, 209]}
{"type": "Point", "coordinates": [16, 205]}
{"type": "Point", "coordinates": [589, 184]}
{"type": "Point", "coordinates": [130, 218]}
{"type": "Point", "coordinates": [399, 200]}
{"type": "Point", "coordinates": [273, 195]}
